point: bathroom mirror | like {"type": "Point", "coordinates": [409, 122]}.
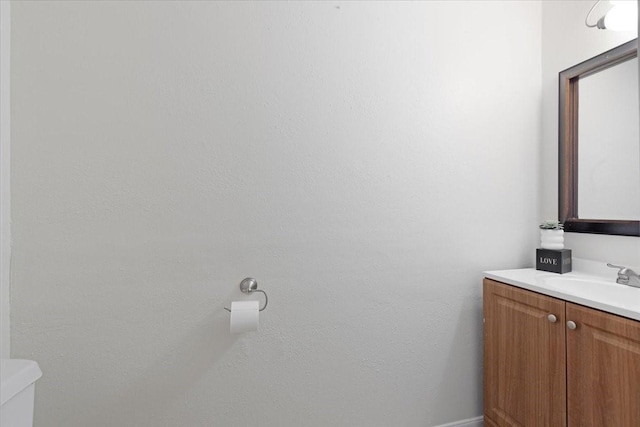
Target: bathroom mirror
{"type": "Point", "coordinates": [599, 143]}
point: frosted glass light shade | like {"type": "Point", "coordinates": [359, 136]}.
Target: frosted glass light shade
{"type": "Point", "coordinates": [622, 17]}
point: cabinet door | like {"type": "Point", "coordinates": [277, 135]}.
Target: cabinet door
{"type": "Point", "coordinates": [524, 358]}
{"type": "Point", "coordinates": [603, 370]}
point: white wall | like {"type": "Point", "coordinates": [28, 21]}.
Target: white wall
{"type": "Point", "coordinates": [364, 161]}
{"type": "Point", "coordinates": [566, 41]}
{"type": "Point", "coordinates": [5, 199]}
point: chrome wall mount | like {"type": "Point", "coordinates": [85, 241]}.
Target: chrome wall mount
{"type": "Point", "coordinates": [250, 285]}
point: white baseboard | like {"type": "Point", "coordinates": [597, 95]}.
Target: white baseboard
{"type": "Point", "coordinates": [470, 422]}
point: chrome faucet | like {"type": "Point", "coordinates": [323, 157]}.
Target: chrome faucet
{"type": "Point", "coordinates": [626, 276]}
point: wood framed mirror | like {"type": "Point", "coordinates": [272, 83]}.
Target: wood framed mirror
{"type": "Point", "coordinates": [599, 162]}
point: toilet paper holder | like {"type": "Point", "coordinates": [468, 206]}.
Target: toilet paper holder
{"type": "Point", "coordinates": [250, 285]}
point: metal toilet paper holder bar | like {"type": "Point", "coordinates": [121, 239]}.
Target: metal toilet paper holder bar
{"type": "Point", "coordinates": [250, 285]}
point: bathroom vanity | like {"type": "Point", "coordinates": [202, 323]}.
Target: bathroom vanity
{"type": "Point", "coordinates": [560, 350]}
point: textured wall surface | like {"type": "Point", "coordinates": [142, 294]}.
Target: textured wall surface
{"type": "Point", "coordinates": [364, 161]}
{"type": "Point", "coordinates": [566, 41]}
{"type": "Point", "coordinates": [5, 201]}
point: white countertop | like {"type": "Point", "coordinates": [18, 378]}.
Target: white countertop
{"type": "Point", "coordinates": [16, 375]}
{"type": "Point", "coordinates": [602, 293]}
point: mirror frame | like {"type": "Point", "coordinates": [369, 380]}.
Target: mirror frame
{"type": "Point", "coordinates": [568, 145]}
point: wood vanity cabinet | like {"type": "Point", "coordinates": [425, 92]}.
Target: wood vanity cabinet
{"type": "Point", "coordinates": [553, 363]}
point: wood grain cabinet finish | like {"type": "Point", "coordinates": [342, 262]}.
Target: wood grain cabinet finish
{"type": "Point", "coordinates": [539, 372]}
{"type": "Point", "coordinates": [524, 358]}
{"type": "Point", "coordinates": [604, 369]}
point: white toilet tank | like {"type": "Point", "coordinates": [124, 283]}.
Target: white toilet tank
{"type": "Point", "coordinates": [17, 393]}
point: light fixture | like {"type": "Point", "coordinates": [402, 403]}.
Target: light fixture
{"type": "Point", "coordinates": [623, 16]}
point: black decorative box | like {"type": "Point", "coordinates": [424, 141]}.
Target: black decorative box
{"type": "Point", "coordinates": [553, 260]}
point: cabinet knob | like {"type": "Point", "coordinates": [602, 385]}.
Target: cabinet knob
{"type": "Point", "coordinates": [571, 324]}
{"type": "Point", "coordinates": [552, 318]}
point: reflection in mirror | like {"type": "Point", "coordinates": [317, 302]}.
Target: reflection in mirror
{"type": "Point", "coordinates": [599, 144]}
{"type": "Point", "coordinates": [609, 152]}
